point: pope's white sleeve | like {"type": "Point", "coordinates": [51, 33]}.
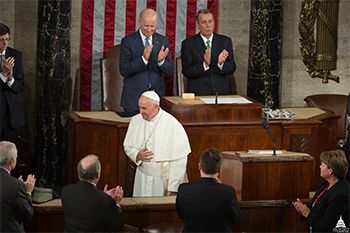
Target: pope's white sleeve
{"type": "Point", "coordinates": [177, 173]}
{"type": "Point", "coordinates": [131, 152]}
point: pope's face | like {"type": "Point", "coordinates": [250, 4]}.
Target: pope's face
{"type": "Point", "coordinates": [147, 108]}
{"type": "Point", "coordinates": [205, 24]}
{"type": "Point", "coordinates": [4, 42]}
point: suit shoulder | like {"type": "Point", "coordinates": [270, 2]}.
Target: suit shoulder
{"type": "Point", "coordinates": [67, 187]}
{"type": "Point", "coordinates": [191, 39]}
{"type": "Point", "coordinates": [343, 188]}
{"type": "Point", "coordinates": [183, 186]}
{"type": "Point", "coordinates": [13, 52]}
{"type": "Point", "coordinates": [10, 180]}
{"type": "Point", "coordinates": [129, 37]}
{"type": "Point", "coordinates": [159, 35]}
{"type": "Point", "coordinates": [227, 188]}
{"type": "Point", "coordinates": [222, 36]}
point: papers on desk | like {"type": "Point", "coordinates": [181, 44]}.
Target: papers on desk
{"type": "Point", "coordinates": [264, 152]}
{"type": "Point", "coordinates": [225, 100]}
{"type": "Point", "coordinates": [278, 114]}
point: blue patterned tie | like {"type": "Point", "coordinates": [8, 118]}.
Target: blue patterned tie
{"type": "Point", "coordinates": [147, 42]}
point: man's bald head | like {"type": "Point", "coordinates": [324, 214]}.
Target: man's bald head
{"type": "Point", "coordinates": [148, 12]}
{"type": "Point", "coordinates": [148, 22]}
{"type": "Point", "coordinates": [89, 168]}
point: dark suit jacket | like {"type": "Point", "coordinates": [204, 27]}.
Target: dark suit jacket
{"type": "Point", "coordinates": [88, 209]}
{"type": "Point", "coordinates": [347, 146]}
{"type": "Point", "coordinates": [12, 95]}
{"type": "Point", "coordinates": [213, 80]}
{"type": "Point", "coordinates": [207, 206]}
{"type": "Point", "coordinates": [16, 204]}
{"type": "Point", "coordinates": [333, 203]}
{"type": "Point", "coordinates": [139, 77]}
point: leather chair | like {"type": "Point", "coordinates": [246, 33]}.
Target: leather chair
{"type": "Point", "coordinates": [334, 102]}
{"type": "Point", "coordinates": [181, 79]}
{"type": "Point", "coordinates": [111, 81]}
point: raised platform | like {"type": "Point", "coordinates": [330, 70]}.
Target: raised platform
{"type": "Point", "coordinates": [258, 216]}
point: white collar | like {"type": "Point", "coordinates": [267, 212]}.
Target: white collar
{"type": "Point", "coordinates": [157, 116]}
{"type": "Point", "coordinates": [88, 181]}
{"type": "Point", "coordinates": [205, 39]}
{"type": "Point", "coordinates": [3, 52]}
{"type": "Point", "coordinates": [5, 170]}
{"type": "Point", "coordinates": [143, 37]}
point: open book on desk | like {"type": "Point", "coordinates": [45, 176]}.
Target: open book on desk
{"type": "Point", "coordinates": [225, 100]}
{"type": "Point", "coordinates": [265, 152]}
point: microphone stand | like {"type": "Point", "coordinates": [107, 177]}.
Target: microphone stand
{"type": "Point", "coordinates": [267, 127]}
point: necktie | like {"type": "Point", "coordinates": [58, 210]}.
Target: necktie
{"type": "Point", "coordinates": [147, 41]}
{"type": "Point", "coordinates": [2, 59]}
{"type": "Point", "coordinates": [208, 44]}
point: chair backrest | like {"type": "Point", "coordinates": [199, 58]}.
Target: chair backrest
{"type": "Point", "coordinates": [111, 81]}
{"type": "Point", "coordinates": [181, 80]}
{"type": "Point", "coordinates": [334, 102]}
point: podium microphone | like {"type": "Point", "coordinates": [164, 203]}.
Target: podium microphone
{"type": "Point", "coordinates": [266, 126]}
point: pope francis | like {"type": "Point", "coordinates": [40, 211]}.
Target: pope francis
{"type": "Point", "coordinates": [158, 144]}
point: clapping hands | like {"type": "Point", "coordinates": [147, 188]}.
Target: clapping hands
{"type": "Point", "coordinates": [222, 56]}
{"type": "Point", "coordinates": [29, 183]}
{"type": "Point", "coordinates": [301, 208]}
{"type": "Point", "coordinates": [163, 52]}
{"type": "Point", "coordinates": [147, 52]}
{"type": "Point", "coordinates": [116, 193]}
{"type": "Point", "coordinates": [7, 70]}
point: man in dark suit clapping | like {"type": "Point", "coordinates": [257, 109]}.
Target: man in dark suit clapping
{"type": "Point", "coordinates": [11, 87]}
{"type": "Point", "coordinates": [88, 209]}
{"type": "Point", "coordinates": [15, 194]}
{"type": "Point", "coordinates": [206, 205]}
{"type": "Point", "coordinates": [207, 59]}
{"type": "Point", "coordinates": [144, 62]}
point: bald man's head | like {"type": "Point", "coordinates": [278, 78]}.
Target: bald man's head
{"type": "Point", "coordinates": [89, 168]}
{"type": "Point", "coordinates": [148, 22]}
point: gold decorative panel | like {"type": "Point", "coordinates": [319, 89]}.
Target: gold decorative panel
{"type": "Point", "coordinates": [319, 49]}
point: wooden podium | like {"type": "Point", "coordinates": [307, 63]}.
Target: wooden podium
{"type": "Point", "coordinates": [238, 127]}
{"type": "Point", "coordinates": [228, 127]}
{"type": "Point", "coordinates": [267, 177]}
{"type": "Point", "coordinates": [232, 108]}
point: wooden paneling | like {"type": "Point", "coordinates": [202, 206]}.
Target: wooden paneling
{"type": "Point", "coordinates": [257, 216]}
{"type": "Point", "coordinates": [189, 111]}
{"type": "Point", "coordinates": [105, 139]}
{"type": "Point", "coordinates": [262, 177]}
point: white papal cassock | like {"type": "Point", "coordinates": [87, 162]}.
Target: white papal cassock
{"type": "Point", "coordinates": [167, 139]}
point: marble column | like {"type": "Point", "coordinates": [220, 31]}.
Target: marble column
{"type": "Point", "coordinates": [264, 66]}
{"type": "Point", "coordinates": [53, 85]}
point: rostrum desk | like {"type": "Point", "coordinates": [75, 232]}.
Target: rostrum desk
{"type": "Point", "coordinates": [285, 175]}
{"type": "Point", "coordinates": [228, 127]}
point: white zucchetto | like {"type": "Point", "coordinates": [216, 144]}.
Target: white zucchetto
{"type": "Point", "coordinates": [151, 95]}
